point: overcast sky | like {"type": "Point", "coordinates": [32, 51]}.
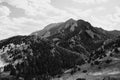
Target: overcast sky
{"type": "Point", "coordinates": [26, 16]}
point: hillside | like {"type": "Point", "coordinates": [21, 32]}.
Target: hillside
{"type": "Point", "coordinates": [64, 49]}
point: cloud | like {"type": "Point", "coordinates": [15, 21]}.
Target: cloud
{"type": "Point", "coordinates": [4, 11]}
{"type": "Point", "coordinates": [39, 9]}
{"type": "Point", "coordinates": [28, 24]}
{"type": "Point", "coordinates": [39, 13]}
{"type": "Point", "coordinates": [30, 6]}
{"type": "Point", "coordinates": [18, 26]}
{"type": "Point", "coordinates": [90, 1]}
{"type": "Point", "coordinates": [7, 28]}
{"type": "Point", "coordinates": [109, 21]}
{"type": "Point", "coordinates": [101, 8]}
{"type": "Point", "coordinates": [102, 22]}
{"type": "Point", "coordinates": [34, 7]}
{"type": "Point", "coordinates": [79, 13]}
{"type": "Point", "coordinates": [116, 16]}
{"type": "Point", "coordinates": [25, 25]}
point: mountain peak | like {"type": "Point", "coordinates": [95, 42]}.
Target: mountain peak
{"type": "Point", "coordinates": [70, 21]}
{"type": "Point", "coordinates": [71, 26]}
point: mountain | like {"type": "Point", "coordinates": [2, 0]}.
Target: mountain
{"type": "Point", "coordinates": [70, 26]}
{"type": "Point", "coordinates": [76, 35]}
{"type": "Point", "coordinates": [57, 48]}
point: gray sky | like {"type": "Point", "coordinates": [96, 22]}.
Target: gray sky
{"type": "Point", "coordinates": [26, 16]}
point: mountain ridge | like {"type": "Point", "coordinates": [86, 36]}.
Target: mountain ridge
{"type": "Point", "coordinates": [58, 47]}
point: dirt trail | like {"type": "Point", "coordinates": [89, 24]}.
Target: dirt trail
{"type": "Point", "coordinates": [90, 75]}
{"type": "Point", "coordinates": [105, 73]}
